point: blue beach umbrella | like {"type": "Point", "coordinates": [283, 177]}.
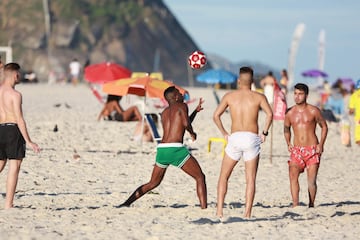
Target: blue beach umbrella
{"type": "Point", "coordinates": [214, 76]}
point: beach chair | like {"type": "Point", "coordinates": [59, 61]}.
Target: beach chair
{"type": "Point", "coordinates": [154, 131]}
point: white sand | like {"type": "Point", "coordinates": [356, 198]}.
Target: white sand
{"type": "Point", "coordinates": [59, 197]}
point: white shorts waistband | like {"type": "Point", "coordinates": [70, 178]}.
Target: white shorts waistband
{"type": "Point", "coordinates": [163, 145]}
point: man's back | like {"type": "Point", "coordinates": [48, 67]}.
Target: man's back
{"type": "Point", "coordinates": [7, 97]}
{"type": "Point", "coordinates": [174, 121]}
{"type": "Point", "coordinates": [244, 106]}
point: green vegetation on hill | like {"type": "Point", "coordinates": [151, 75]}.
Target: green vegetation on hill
{"type": "Point", "coordinates": [115, 11]}
{"type": "Point", "coordinates": [128, 32]}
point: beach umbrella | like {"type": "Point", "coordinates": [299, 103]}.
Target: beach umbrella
{"type": "Point", "coordinates": [142, 86]}
{"type": "Point", "coordinates": [314, 73]}
{"type": "Point", "coordinates": [105, 72]}
{"type": "Point", "coordinates": [347, 83]}
{"type": "Point", "coordinates": [214, 76]}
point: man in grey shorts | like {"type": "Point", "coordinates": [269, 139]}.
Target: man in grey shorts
{"type": "Point", "coordinates": [13, 131]}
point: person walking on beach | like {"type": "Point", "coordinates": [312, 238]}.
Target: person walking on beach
{"type": "Point", "coordinates": [306, 149]}
{"type": "Point", "coordinates": [354, 108]}
{"type": "Point", "coordinates": [171, 150]}
{"type": "Point", "coordinates": [13, 131]}
{"type": "Point", "coordinates": [74, 69]}
{"type": "Point", "coordinates": [244, 140]}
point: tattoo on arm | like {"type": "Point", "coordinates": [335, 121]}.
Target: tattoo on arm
{"type": "Point", "coordinates": [286, 129]}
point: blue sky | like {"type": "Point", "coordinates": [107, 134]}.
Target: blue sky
{"type": "Point", "coordinates": [261, 30]}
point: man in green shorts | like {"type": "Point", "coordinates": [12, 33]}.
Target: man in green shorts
{"type": "Point", "coordinates": [171, 150]}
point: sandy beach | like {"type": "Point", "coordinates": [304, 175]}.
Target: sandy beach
{"type": "Point", "coordinates": [62, 196]}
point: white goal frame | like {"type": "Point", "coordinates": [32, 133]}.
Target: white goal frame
{"type": "Point", "coordinates": [8, 54]}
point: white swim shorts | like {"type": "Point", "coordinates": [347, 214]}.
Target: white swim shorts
{"type": "Point", "coordinates": [243, 144]}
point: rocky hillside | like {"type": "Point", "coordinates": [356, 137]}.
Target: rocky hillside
{"type": "Point", "coordinates": [142, 35]}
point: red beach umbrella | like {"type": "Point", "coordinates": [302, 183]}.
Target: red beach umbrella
{"type": "Point", "coordinates": [105, 72]}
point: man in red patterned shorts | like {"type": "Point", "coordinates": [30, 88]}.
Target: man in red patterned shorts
{"type": "Point", "coordinates": [306, 150]}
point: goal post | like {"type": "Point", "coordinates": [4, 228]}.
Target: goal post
{"type": "Point", "coordinates": [8, 54]}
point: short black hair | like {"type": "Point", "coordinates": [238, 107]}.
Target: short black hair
{"type": "Point", "coordinates": [168, 91]}
{"type": "Point", "coordinates": [302, 87]}
{"type": "Point", "coordinates": [12, 67]}
{"type": "Point", "coordinates": [111, 98]}
{"type": "Point", "coordinates": [247, 70]}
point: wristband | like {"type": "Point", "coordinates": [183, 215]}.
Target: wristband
{"type": "Point", "coordinates": [265, 133]}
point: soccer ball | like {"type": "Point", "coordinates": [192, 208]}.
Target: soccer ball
{"type": "Point", "coordinates": [197, 60]}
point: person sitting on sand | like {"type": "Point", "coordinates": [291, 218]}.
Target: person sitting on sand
{"type": "Point", "coordinates": [114, 112]}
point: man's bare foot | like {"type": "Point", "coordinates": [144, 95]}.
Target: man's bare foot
{"type": "Point", "coordinates": [122, 205]}
{"type": "Point", "coordinates": [9, 207]}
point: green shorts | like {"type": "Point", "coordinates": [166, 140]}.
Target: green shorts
{"type": "Point", "coordinates": [171, 153]}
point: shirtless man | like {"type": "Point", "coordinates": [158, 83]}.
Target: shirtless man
{"type": "Point", "coordinates": [244, 140]}
{"type": "Point", "coordinates": [171, 150]}
{"type": "Point", "coordinates": [113, 111]}
{"type": "Point", "coordinates": [306, 150]}
{"type": "Point", "coordinates": [13, 130]}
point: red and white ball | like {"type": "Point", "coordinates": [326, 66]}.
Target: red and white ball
{"type": "Point", "coordinates": [197, 60]}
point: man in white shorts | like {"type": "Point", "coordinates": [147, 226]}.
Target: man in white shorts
{"type": "Point", "coordinates": [244, 141]}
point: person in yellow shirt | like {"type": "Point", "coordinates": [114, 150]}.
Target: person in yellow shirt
{"type": "Point", "coordinates": [354, 108]}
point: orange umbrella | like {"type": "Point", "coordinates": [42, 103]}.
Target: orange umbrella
{"type": "Point", "coordinates": [143, 86]}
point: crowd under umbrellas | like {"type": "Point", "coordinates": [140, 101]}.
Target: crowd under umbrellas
{"type": "Point", "coordinates": [332, 103]}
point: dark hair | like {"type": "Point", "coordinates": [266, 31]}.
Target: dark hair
{"type": "Point", "coordinates": [12, 67]}
{"type": "Point", "coordinates": [285, 72]}
{"type": "Point", "coordinates": [111, 98]}
{"type": "Point", "coordinates": [247, 70]}
{"type": "Point", "coordinates": [155, 118]}
{"type": "Point", "coordinates": [302, 87]}
{"type": "Point", "coordinates": [168, 91]}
